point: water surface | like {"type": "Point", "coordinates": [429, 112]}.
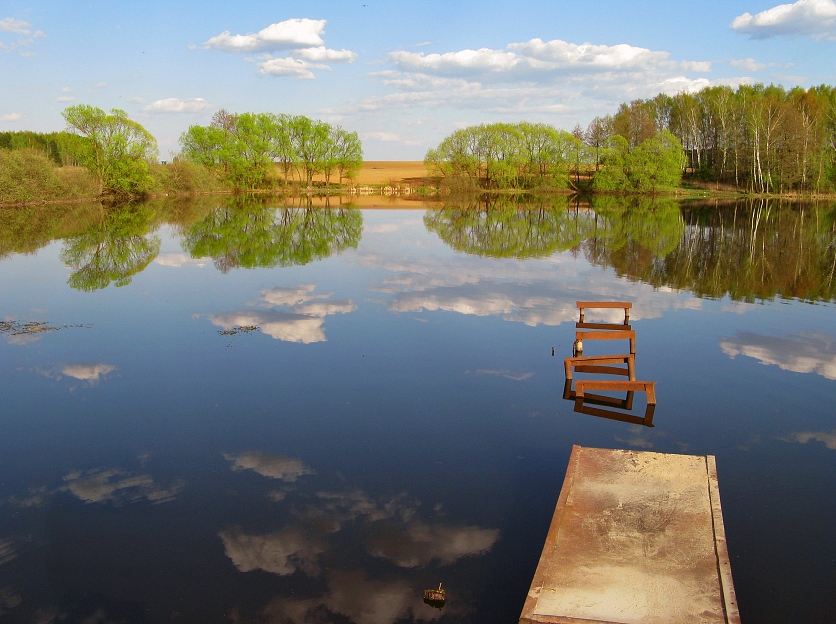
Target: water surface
{"type": "Point", "coordinates": [247, 410]}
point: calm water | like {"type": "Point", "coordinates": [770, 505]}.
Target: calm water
{"type": "Point", "coordinates": [239, 411]}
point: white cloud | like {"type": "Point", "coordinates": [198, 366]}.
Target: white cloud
{"type": "Point", "coordinates": [66, 90]}
{"type": "Point", "coordinates": [552, 79]}
{"type": "Point", "coordinates": [815, 18]}
{"type": "Point", "coordinates": [288, 66]}
{"type": "Point", "coordinates": [301, 38]}
{"type": "Point", "coordinates": [18, 27]}
{"type": "Point", "coordinates": [286, 35]}
{"type": "Point", "coordinates": [381, 136]}
{"type": "Point", "coordinates": [534, 57]}
{"type": "Point", "coordinates": [100, 85]}
{"type": "Point", "coordinates": [26, 36]}
{"type": "Point", "coordinates": [11, 117]}
{"type": "Point", "coordinates": [801, 353]}
{"type": "Point", "coordinates": [272, 466]}
{"type": "Point", "coordinates": [65, 98]}
{"type": "Point", "coordinates": [696, 66]}
{"type": "Point", "coordinates": [176, 105]}
{"type": "Point", "coordinates": [321, 54]}
{"type": "Point", "coordinates": [749, 64]}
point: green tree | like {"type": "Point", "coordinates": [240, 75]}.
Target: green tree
{"type": "Point", "coordinates": [118, 150]}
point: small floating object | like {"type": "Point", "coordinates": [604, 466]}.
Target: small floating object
{"type": "Point", "coordinates": [434, 597]}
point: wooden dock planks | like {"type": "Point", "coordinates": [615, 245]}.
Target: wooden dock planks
{"type": "Point", "coordinates": [636, 537]}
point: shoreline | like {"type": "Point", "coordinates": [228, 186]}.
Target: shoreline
{"type": "Point", "coordinates": [409, 179]}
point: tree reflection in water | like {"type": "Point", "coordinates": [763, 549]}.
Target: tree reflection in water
{"type": "Point", "coordinates": [747, 250]}
{"type": "Point", "coordinates": [113, 249]}
{"type": "Point", "coordinates": [247, 233]}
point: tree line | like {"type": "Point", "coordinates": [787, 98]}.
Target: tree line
{"type": "Point", "coordinates": [763, 139]}
{"type": "Point", "coordinates": [121, 157]}
{"type": "Point", "coordinates": [528, 156]}
{"type": "Point", "coordinates": [756, 138]}
{"type": "Point", "coordinates": [243, 148]}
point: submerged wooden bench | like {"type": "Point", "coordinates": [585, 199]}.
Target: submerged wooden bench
{"type": "Point", "coordinates": [635, 537]}
{"type": "Point", "coordinates": [615, 334]}
{"type": "Point", "coordinates": [600, 364]}
{"type": "Point", "coordinates": [601, 305]}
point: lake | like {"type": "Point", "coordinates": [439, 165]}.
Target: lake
{"type": "Point", "coordinates": [264, 410]}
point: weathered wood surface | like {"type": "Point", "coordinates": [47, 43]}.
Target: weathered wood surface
{"type": "Point", "coordinates": [635, 537]}
{"type": "Point", "coordinates": [619, 334]}
{"type": "Point", "coordinates": [599, 364]}
{"type": "Point", "coordinates": [648, 387]}
{"type": "Point", "coordinates": [603, 305]}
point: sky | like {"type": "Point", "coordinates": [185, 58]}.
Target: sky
{"type": "Point", "coordinates": [403, 75]}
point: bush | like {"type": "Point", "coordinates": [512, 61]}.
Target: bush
{"type": "Point", "coordinates": [27, 175]}
{"type": "Point", "coordinates": [184, 177]}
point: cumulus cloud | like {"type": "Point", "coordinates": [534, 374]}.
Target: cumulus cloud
{"type": "Point", "coordinates": [302, 41]}
{"type": "Point", "coordinates": [321, 54]}
{"type": "Point", "coordinates": [417, 544]}
{"type": "Point", "coordinates": [18, 27]}
{"type": "Point", "coordinates": [800, 353]}
{"type": "Point", "coordinates": [814, 18]}
{"type": "Point", "coordinates": [381, 136]}
{"type": "Point", "coordinates": [749, 64]}
{"type": "Point", "coordinates": [26, 35]}
{"type": "Point", "coordinates": [65, 98]}
{"type": "Point", "coordinates": [557, 80]}
{"type": "Point", "coordinates": [288, 66]}
{"type": "Point", "coordinates": [272, 466]}
{"type": "Point", "coordinates": [282, 552]}
{"type": "Point", "coordinates": [177, 105]}
{"type": "Point", "coordinates": [11, 117]}
{"type": "Point", "coordinates": [117, 486]}
{"type": "Point", "coordinates": [286, 35]}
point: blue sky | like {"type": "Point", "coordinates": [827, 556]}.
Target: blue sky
{"type": "Point", "coordinates": [402, 74]}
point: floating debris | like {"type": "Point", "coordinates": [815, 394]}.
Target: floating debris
{"type": "Point", "coordinates": [16, 328]}
{"type": "Point", "coordinates": [239, 329]}
{"type": "Point", "coordinates": [434, 597]}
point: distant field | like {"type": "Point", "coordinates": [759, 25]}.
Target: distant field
{"type": "Point", "coordinates": [385, 171]}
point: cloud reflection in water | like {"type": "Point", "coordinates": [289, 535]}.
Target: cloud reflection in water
{"type": "Point", "coordinates": [799, 353]}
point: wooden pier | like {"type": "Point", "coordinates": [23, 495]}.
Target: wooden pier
{"type": "Point", "coordinates": [636, 537]}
